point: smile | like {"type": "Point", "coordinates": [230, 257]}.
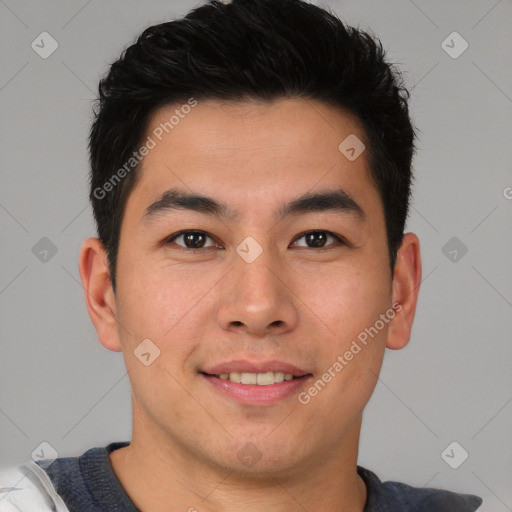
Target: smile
{"type": "Point", "coordinates": [260, 379]}
{"type": "Point", "coordinates": [257, 389]}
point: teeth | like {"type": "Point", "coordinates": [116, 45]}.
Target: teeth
{"type": "Point", "coordinates": [264, 379]}
{"type": "Point", "coordinates": [261, 379]}
{"type": "Point", "coordinates": [249, 378]}
{"type": "Point", "coordinates": [278, 376]}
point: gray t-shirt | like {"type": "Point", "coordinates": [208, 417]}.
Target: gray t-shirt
{"type": "Point", "coordinates": [87, 483]}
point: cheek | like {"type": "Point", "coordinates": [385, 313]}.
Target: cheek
{"type": "Point", "coordinates": [155, 299]}
{"type": "Point", "coordinates": [345, 300]}
{"type": "Point", "coordinates": [351, 358]}
{"type": "Point", "coordinates": [353, 345]}
{"type": "Point", "coordinates": [159, 304]}
{"type": "Point", "coordinates": [165, 303]}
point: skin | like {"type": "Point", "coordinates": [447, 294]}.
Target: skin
{"type": "Point", "coordinates": [208, 306]}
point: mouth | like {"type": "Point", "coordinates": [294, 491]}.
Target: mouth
{"type": "Point", "coordinates": [258, 379]}
{"type": "Point", "coordinates": [244, 371]}
{"type": "Point", "coordinates": [262, 384]}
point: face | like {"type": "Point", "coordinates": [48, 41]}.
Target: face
{"type": "Point", "coordinates": [281, 268]}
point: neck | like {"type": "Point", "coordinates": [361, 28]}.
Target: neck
{"type": "Point", "coordinates": [158, 472]}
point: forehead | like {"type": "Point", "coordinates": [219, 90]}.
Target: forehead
{"type": "Point", "coordinates": [252, 154]}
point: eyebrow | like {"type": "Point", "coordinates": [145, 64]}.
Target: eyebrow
{"type": "Point", "coordinates": [329, 200]}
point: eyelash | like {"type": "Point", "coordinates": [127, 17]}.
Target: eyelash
{"type": "Point", "coordinates": [339, 240]}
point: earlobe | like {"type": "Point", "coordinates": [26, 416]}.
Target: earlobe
{"type": "Point", "coordinates": [406, 285]}
{"type": "Point", "coordinates": [98, 293]}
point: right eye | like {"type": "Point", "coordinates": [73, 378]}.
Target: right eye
{"type": "Point", "coordinates": [190, 239]}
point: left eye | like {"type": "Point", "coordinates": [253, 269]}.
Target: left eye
{"type": "Point", "coordinates": [317, 239]}
{"type": "Point", "coordinates": [192, 239]}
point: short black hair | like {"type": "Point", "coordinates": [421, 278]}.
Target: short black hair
{"type": "Point", "coordinates": [250, 50]}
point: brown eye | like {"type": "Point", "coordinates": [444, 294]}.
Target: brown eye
{"type": "Point", "coordinates": [317, 239]}
{"type": "Point", "coordinates": [191, 240]}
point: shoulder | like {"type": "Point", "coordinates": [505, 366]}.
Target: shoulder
{"type": "Point", "coordinates": [47, 485]}
{"type": "Point", "coordinates": [21, 490]}
{"type": "Point", "coordinates": [400, 497]}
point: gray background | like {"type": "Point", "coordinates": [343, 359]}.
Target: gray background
{"type": "Point", "coordinates": [452, 383]}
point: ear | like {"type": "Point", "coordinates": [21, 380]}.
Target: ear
{"type": "Point", "coordinates": [98, 292]}
{"type": "Point", "coordinates": [406, 287]}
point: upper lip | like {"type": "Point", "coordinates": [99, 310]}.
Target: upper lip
{"type": "Point", "coordinates": [245, 366]}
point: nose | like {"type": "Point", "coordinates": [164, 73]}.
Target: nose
{"type": "Point", "coordinates": [256, 299]}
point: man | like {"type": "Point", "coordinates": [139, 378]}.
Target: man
{"type": "Point", "coordinates": [250, 180]}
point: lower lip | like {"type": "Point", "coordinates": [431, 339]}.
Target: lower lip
{"type": "Point", "coordinates": [254, 394]}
